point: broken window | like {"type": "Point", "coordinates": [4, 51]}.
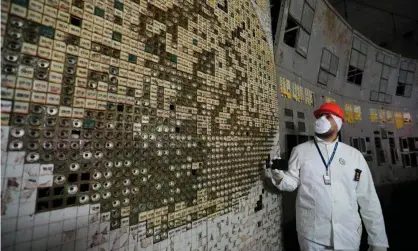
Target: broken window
{"type": "Point", "coordinates": [405, 79]}
{"type": "Point", "coordinates": [291, 32]}
{"type": "Point", "coordinates": [299, 25]}
{"type": "Point", "coordinates": [354, 75]}
{"type": "Point", "coordinates": [328, 68]}
{"type": "Point", "coordinates": [357, 62]}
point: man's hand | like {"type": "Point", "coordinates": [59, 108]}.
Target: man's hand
{"type": "Point", "coordinates": [373, 248]}
{"type": "Point", "coordinates": [268, 173]}
{"type": "Point", "coordinates": [277, 176]}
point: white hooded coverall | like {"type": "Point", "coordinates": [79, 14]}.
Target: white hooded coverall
{"type": "Point", "coordinates": [328, 214]}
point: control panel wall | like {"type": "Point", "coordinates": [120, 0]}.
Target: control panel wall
{"type": "Point", "coordinates": [146, 112]}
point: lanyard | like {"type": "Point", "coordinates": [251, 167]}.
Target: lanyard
{"type": "Point", "coordinates": [322, 157]}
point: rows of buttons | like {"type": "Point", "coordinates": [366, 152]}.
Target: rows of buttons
{"type": "Point", "coordinates": [155, 110]}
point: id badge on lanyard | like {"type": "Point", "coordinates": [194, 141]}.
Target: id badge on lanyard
{"type": "Point", "coordinates": [327, 177]}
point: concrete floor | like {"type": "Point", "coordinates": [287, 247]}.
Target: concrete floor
{"type": "Point", "coordinates": [400, 210]}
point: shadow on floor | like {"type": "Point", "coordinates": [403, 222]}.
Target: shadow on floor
{"type": "Point", "coordinates": [400, 211]}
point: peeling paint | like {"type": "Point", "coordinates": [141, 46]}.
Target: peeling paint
{"type": "Point", "coordinates": [335, 31]}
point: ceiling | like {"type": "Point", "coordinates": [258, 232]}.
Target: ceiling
{"type": "Point", "coordinates": [391, 24]}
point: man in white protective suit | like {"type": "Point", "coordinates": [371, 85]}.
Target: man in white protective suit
{"type": "Point", "coordinates": [334, 180]}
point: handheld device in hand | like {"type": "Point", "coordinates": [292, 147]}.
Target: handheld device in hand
{"type": "Point", "coordinates": [268, 164]}
{"type": "Point", "coordinates": [280, 164]}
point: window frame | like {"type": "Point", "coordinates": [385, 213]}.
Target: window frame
{"type": "Point", "coordinates": [301, 27]}
{"type": "Point", "coordinates": [356, 69]}
{"type": "Point", "coordinates": [323, 69]}
{"type": "Point", "coordinates": [390, 63]}
{"type": "Point", "coordinates": [407, 70]}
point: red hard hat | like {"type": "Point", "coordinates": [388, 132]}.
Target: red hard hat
{"type": "Point", "coordinates": [330, 108]}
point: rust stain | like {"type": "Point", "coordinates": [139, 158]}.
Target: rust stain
{"type": "Point", "coordinates": [330, 21]}
{"type": "Point", "coordinates": [335, 31]}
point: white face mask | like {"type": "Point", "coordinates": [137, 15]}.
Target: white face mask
{"type": "Point", "coordinates": [322, 125]}
{"type": "Point", "coordinates": [338, 121]}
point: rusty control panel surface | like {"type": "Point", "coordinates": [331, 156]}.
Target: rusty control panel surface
{"type": "Point", "coordinates": [155, 111]}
